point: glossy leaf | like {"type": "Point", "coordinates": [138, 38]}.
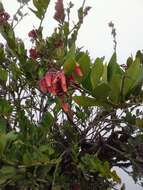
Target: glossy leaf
{"type": "Point", "coordinates": [69, 65]}
{"type": "Point", "coordinates": [84, 63]}
{"type": "Point", "coordinates": [88, 102]}
{"type": "Point", "coordinates": [101, 91]}
{"type": "Point", "coordinates": [133, 76]}
{"type": "Point", "coordinates": [115, 85]}
{"type": "Point", "coordinates": [96, 72]}
{"type": "Point", "coordinates": [113, 68]}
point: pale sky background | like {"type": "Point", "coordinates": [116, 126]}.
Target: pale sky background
{"type": "Point", "coordinates": [95, 35]}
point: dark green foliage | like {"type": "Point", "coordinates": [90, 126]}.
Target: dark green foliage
{"type": "Point", "coordinates": [42, 146]}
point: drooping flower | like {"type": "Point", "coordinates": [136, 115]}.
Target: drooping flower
{"type": "Point", "coordinates": [59, 11]}
{"type": "Point", "coordinates": [63, 81]}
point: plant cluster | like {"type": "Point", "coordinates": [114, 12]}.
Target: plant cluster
{"type": "Point", "coordinates": [66, 120]}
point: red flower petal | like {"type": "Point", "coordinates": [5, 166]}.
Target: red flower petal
{"type": "Point", "coordinates": [63, 81]}
{"type": "Point", "coordinates": [42, 85]}
{"type": "Point", "coordinates": [48, 79]}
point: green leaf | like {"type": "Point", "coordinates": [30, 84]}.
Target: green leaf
{"type": "Point", "coordinates": [102, 91]}
{"type": "Point", "coordinates": [7, 172]}
{"type": "Point", "coordinates": [115, 85]}
{"type": "Point", "coordinates": [2, 125]}
{"type": "Point", "coordinates": [69, 65]}
{"type": "Point", "coordinates": [104, 76]}
{"type": "Point", "coordinates": [86, 83]}
{"type": "Point", "coordinates": [2, 54]}
{"type": "Point", "coordinates": [115, 177]}
{"type": "Point", "coordinates": [113, 68]}
{"type": "Point", "coordinates": [41, 7]}
{"type": "Point", "coordinates": [46, 149]}
{"type": "Point", "coordinates": [16, 72]}
{"type": "Point", "coordinates": [133, 76]}
{"type": "Point", "coordinates": [85, 101]}
{"type": "Point", "coordinates": [5, 107]}
{"type": "Point", "coordinates": [3, 74]}
{"type": "Point", "coordinates": [84, 63]}
{"type": "Point", "coordinates": [96, 72]}
{"type": "Point", "coordinates": [31, 69]}
{"type": "Point", "coordinates": [88, 102]}
{"type": "Point", "coordinates": [3, 143]}
{"type": "Point", "coordinates": [27, 158]}
{"type": "Point", "coordinates": [11, 136]}
{"type": "Point", "coordinates": [71, 52]}
{"type": "Point", "coordinates": [139, 123]}
{"type": "Point", "coordinates": [47, 120]}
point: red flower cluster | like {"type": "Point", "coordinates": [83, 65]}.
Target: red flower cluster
{"type": "Point", "coordinates": [33, 34]}
{"type": "Point", "coordinates": [4, 16]}
{"type": "Point", "coordinates": [59, 14]}
{"type": "Point", "coordinates": [57, 83]}
{"type": "Point", "coordinates": [33, 53]}
{"type": "Point", "coordinates": [54, 83]}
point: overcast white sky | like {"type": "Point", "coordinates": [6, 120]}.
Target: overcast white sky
{"type": "Point", "coordinates": [127, 15]}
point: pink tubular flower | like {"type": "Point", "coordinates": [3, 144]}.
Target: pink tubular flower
{"type": "Point", "coordinates": [4, 16]}
{"type": "Point", "coordinates": [55, 87]}
{"type": "Point", "coordinates": [63, 81]}
{"type": "Point", "coordinates": [78, 70]}
{"type": "Point", "coordinates": [33, 53]}
{"type": "Point", "coordinates": [48, 79]}
{"type": "Point", "coordinates": [59, 8]}
{"type": "Point", "coordinates": [33, 34]}
{"type": "Point", "coordinates": [42, 85]}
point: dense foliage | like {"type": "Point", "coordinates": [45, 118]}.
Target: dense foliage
{"type": "Point", "coordinates": [66, 120]}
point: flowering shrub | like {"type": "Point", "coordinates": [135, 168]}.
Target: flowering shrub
{"type": "Point", "coordinates": [65, 120]}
